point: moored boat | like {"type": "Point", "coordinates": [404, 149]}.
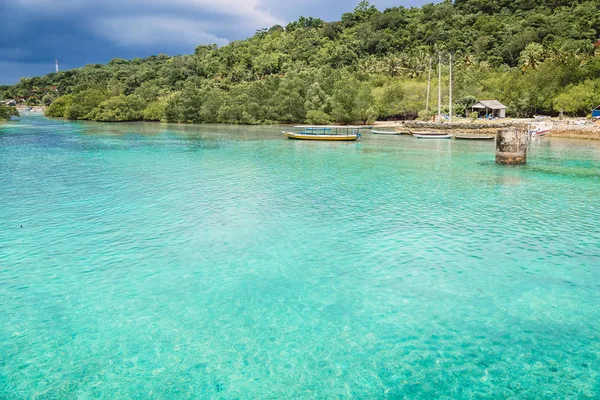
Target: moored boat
{"type": "Point", "coordinates": [376, 132]}
{"type": "Point", "coordinates": [431, 135]}
{"type": "Point", "coordinates": [538, 132]}
{"type": "Point", "coordinates": [540, 129]}
{"type": "Point", "coordinates": [327, 133]}
{"type": "Point", "coordinates": [474, 137]}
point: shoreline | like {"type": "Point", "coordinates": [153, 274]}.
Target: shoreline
{"type": "Point", "coordinates": [566, 129]}
{"type": "Point", "coordinates": [572, 128]}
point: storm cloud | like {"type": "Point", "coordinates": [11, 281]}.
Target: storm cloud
{"type": "Point", "coordinates": [77, 32]}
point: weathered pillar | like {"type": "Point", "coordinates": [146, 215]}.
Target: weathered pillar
{"type": "Point", "coordinates": [511, 146]}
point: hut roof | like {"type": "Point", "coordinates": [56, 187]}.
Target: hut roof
{"type": "Point", "coordinates": [491, 104]}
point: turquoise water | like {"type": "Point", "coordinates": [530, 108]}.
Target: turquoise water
{"type": "Point", "coordinates": [170, 262]}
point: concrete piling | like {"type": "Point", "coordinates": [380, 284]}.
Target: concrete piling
{"type": "Point", "coordinates": [511, 146]}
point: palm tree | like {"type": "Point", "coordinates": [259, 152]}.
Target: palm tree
{"type": "Point", "coordinates": [557, 55]}
{"type": "Point", "coordinates": [415, 64]}
{"type": "Point", "coordinates": [393, 65]}
{"type": "Point", "coordinates": [532, 56]}
{"type": "Point", "coordinates": [468, 60]}
{"type": "Point", "coordinates": [370, 66]}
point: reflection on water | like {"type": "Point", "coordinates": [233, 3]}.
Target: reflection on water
{"type": "Point", "coordinates": [147, 260]}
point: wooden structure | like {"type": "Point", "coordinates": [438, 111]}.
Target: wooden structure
{"type": "Point", "coordinates": [511, 146]}
{"type": "Point", "coordinates": [489, 108]}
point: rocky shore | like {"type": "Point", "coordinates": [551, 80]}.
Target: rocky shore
{"type": "Point", "coordinates": [566, 128]}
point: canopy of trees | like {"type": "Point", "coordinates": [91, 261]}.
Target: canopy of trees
{"type": "Point", "coordinates": [535, 56]}
{"type": "Point", "coordinates": [7, 112]}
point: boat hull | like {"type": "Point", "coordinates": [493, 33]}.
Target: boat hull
{"type": "Point", "coordinates": [384, 132]}
{"type": "Point", "coordinates": [539, 133]}
{"type": "Point", "coordinates": [431, 136]}
{"type": "Point", "coordinates": [333, 138]}
{"type": "Point", "coordinates": [475, 137]}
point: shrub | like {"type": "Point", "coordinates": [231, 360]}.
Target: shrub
{"type": "Point", "coordinates": [59, 106]}
{"type": "Point", "coordinates": [155, 111]}
{"type": "Point", "coordinates": [425, 115]}
{"type": "Point", "coordinates": [120, 108]}
{"type": "Point", "coordinates": [84, 102]}
{"type": "Point", "coordinates": [7, 112]}
{"type": "Point", "coordinates": [317, 117]}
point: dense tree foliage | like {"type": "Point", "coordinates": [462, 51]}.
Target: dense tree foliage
{"type": "Point", "coordinates": [7, 112]}
{"type": "Point", "coordinates": [536, 56]}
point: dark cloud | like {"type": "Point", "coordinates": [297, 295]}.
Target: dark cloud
{"type": "Point", "coordinates": [77, 32]}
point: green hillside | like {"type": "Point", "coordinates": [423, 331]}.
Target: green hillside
{"type": "Point", "coordinates": [534, 56]}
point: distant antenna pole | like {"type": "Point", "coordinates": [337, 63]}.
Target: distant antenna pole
{"type": "Point", "coordinates": [439, 87]}
{"type": "Point", "coordinates": [428, 85]}
{"type": "Point", "coordinates": [450, 101]}
{"type": "Point", "coordinates": [56, 64]}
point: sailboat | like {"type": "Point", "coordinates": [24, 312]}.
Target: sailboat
{"type": "Point", "coordinates": [434, 134]}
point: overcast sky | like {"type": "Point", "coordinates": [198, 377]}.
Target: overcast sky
{"type": "Point", "coordinates": [77, 32]}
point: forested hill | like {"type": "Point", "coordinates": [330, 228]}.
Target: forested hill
{"type": "Point", "coordinates": [534, 56]}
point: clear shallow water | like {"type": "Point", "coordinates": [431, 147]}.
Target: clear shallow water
{"type": "Point", "coordinates": [166, 261]}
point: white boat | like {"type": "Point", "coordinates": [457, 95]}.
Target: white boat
{"type": "Point", "coordinates": [539, 132]}
{"type": "Point", "coordinates": [540, 129]}
{"type": "Point", "coordinates": [376, 132]}
{"type": "Point", "coordinates": [431, 135]}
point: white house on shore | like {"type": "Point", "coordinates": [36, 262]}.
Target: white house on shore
{"type": "Point", "coordinates": [489, 108]}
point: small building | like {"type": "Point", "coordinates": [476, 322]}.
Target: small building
{"type": "Point", "coordinates": [596, 112]}
{"type": "Point", "coordinates": [10, 103]}
{"type": "Point", "coordinates": [489, 108]}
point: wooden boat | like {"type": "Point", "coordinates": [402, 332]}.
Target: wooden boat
{"type": "Point", "coordinates": [304, 136]}
{"type": "Point", "coordinates": [431, 135]}
{"type": "Point", "coordinates": [474, 137]}
{"type": "Point", "coordinates": [328, 133]}
{"type": "Point", "coordinates": [376, 132]}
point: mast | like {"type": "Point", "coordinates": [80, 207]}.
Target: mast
{"type": "Point", "coordinates": [450, 100]}
{"type": "Point", "coordinates": [428, 85]}
{"type": "Point", "coordinates": [439, 87]}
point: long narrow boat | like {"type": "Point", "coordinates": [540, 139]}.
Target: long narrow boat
{"type": "Point", "coordinates": [376, 132]}
{"type": "Point", "coordinates": [474, 137]}
{"type": "Point", "coordinates": [309, 136]}
{"type": "Point", "coordinates": [328, 133]}
{"type": "Point", "coordinates": [431, 135]}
